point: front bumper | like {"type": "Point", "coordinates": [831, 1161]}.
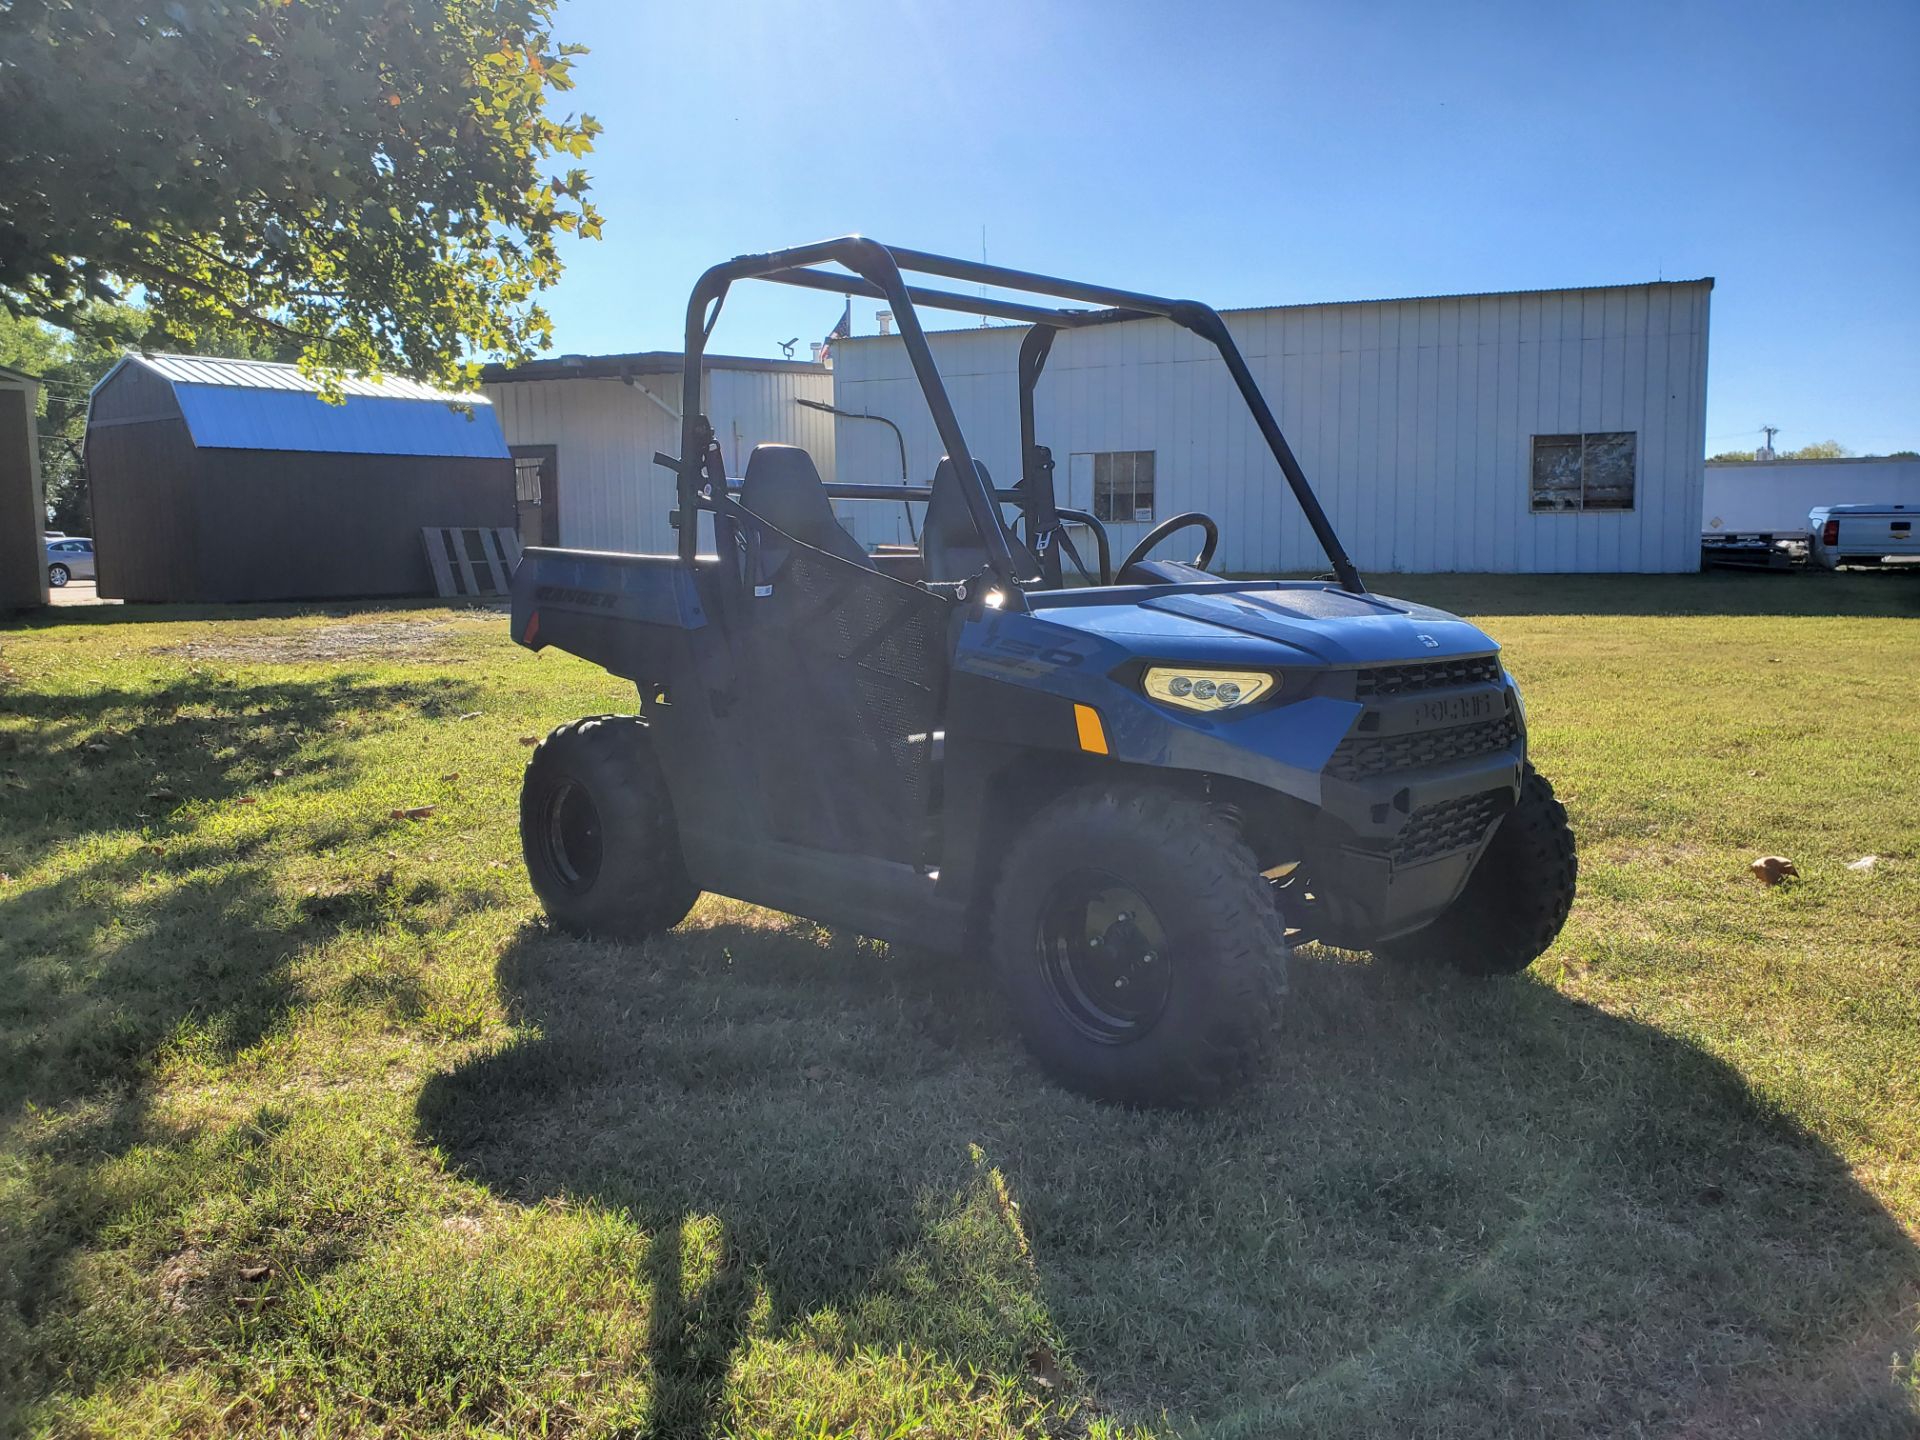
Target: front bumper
{"type": "Point", "coordinates": [1411, 797]}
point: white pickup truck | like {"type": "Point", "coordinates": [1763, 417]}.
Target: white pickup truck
{"type": "Point", "coordinates": [1862, 534]}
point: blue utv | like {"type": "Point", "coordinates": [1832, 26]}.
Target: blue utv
{"type": "Point", "coordinates": [1131, 796]}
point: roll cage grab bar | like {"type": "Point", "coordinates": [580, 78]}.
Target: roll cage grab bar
{"type": "Point", "coordinates": [876, 274]}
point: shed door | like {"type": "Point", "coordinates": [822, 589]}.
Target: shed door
{"type": "Point", "coordinates": [536, 475]}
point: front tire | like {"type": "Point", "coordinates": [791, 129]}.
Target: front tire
{"type": "Point", "coordinates": [1139, 947]}
{"type": "Point", "coordinates": [598, 833]}
{"type": "Point", "coordinates": [58, 575]}
{"type": "Point", "coordinates": [1515, 901]}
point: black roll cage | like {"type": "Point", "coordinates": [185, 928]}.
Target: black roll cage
{"type": "Point", "coordinates": [876, 273]}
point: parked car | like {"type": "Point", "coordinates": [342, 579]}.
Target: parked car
{"type": "Point", "coordinates": [69, 558]}
{"type": "Point", "coordinates": [1862, 534]}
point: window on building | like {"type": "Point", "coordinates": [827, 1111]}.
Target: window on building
{"type": "Point", "coordinates": [526, 478]}
{"type": "Point", "coordinates": [1572, 473]}
{"type": "Point", "coordinates": [1123, 485]}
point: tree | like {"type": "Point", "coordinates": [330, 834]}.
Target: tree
{"type": "Point", "coordinates": [1731, 457]}
{"type": "Point", "coordinates": [1819, 450]}
{"type": "Point", "coordinates": [360, 182]}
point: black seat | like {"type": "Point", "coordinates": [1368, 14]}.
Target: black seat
{"type": "Point", "coordinates": [783, 488]}
{"type": "Point", "coordinates": [949, 543]}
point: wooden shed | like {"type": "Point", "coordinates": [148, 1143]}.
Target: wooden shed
{"type": "Point", "coordinates": [23, 513]}
{"type": "Point", "coordinates": [229, 480]}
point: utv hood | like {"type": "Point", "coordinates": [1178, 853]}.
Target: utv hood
{"type": "Point", "coordinates": [1330, 625]}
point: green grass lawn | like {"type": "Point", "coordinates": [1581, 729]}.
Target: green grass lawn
{"type": "Point", "coordinates": [311, 1127]}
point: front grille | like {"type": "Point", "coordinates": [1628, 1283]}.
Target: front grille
{"type": "Point", "coordinates": [1425, 675]}
{"type": "Point", "coordinates": [1366, 756]}
{"type": "Point", "coordinates": [1436, 830]}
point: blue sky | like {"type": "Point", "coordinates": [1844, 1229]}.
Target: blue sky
{"type": "Point", "coordinates": [1253, 154]}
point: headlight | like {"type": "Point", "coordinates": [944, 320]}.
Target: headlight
{"type": "Point", "coordinates": [1206, 689]}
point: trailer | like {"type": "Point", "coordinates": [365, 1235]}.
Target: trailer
{"type": "Point", "coordinates": [1754, 515]}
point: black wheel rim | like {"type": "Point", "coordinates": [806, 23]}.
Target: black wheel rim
{"type": "Point", "coordinates": [572, 836]}
{"type": "Point", "coordinates": [1103, 956]}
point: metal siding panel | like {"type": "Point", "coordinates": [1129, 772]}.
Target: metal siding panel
{"type": "Point", "coordinates": [1277, 513]}
{"type": "Point", "coordinates": [1521, 383]}
{"type": "Point", "coordinates": [1251, 544]}
{"type": "Point", "coordinates": [1686, 557]}
{"type": "Point", "coordinates": [1526, 419]}
{"type": "Point", "coordinates": [1632, 551]}
{"type": "Point", "coordinates": [1657, 407]}
{"type": "Point", "coordinates": [1374, 458]}
{"type": "Point", "coordinates": [1263, 547]}
{"type": "Point", "coordinates": [1669, 450]}
{"type": "Point", "coordinates": [1586, 530]}
{"type": "Point", "coordinates": [1413, 419]}
{"type": "Point", "coordinates": [1406, 445]}
{"type": "Point", "coordinates": [1350, 482]}
{"type": "Point", "coordinates": [1536, 412]}
{"type": "Point", "coordinates": [612, 495]}
{"type": "Point", "coordinates": [1318, 458]}
{"type": "Point", "coordinates": [1571, 314]}
{"type": "Point", "coordinates": [1420, 536]}
{"type": "Point", "coordinates": [1489, 514]}
{"type": "Point", "coordinates": [1443, 517]}
{"type": "Point", "coordinates": [1686, 439]}
{"type": "Point", "coordinates": [1456, 544]}
{"type": "Point", "coordinates": [1242, 550]}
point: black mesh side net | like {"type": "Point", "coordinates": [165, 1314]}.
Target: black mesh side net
{"type": "Point", "coordinates": [847, 669]}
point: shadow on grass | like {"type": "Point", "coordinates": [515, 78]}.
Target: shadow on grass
{"type": "Point", "coordinates": [1451, 1209]}
{"type": "Point", "coordinates": [692, 1335]}
{"type": "Point", "coordinates": [121, 953]}
{"type": "Point", "coordinates": [123, 759]}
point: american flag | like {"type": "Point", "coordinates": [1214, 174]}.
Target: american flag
{"type": "Point", "coordinates": [842, 328]}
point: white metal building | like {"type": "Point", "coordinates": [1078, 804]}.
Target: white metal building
{"type": "Point", "coordinates": [1774, 496]}
{"type": "Point", "coordinates": [1559, 430]}
{"type": "Point", "coordinates": [585, 429]}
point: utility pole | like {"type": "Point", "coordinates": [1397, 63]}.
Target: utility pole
{"type": "Point", "coordinates": [1766, 451]}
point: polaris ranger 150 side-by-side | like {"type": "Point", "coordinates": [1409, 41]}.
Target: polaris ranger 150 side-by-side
{"type": "Point", "coordinates": [1133, 795]}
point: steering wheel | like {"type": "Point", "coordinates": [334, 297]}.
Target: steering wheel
{"type": "Point", "coordinates": [1168, 527]}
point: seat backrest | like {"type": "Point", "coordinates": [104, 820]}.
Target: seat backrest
{"type": "Point", "coordinates": [949, 543]}
{"type": "Point", "coordinates": [784, 489]}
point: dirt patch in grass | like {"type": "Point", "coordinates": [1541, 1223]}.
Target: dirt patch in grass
{"type": "Point", "coordinates": [383, 639]}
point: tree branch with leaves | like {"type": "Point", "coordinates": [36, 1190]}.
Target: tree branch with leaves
{"type": "Point", "coordinates": [375, 185]}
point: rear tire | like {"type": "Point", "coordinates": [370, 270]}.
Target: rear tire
{"type": "Point", "coordinates": [598, 833]}
{"type": "Point", "coordinates": [1139, 947]}
{"type": "Point", "coordinates": [1515, 901]}
{"type": "Point", "coordinates": [58, 575]}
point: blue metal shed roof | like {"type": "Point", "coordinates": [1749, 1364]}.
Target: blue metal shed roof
{"type": "Point", "coordinates": [261, 405]}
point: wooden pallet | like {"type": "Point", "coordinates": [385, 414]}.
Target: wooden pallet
{"type": "Point", "coordinates": [471, 562]}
